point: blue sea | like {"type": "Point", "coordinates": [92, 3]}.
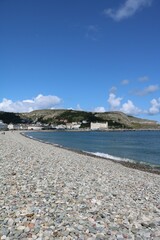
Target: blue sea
{"type": "Point", "coordinates": [132, 146]}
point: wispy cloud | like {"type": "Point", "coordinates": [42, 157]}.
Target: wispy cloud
{"type": "Point", "coordinates": [78, 107]}
{"type": "Point", "coordinates": [113, 89]}
{"type": "Point", "coordinates": [148, 90]}
{"type": "Point", "coordinates": [92, 32]}
{"type": "Point", "coordinates": [125, 82]}
{"type": "Point", "coordinates": [143, 79]}
{"type": "Point", "coordinates": [128, 9]}
{"type": "Point", "coordinates": [39, 102]}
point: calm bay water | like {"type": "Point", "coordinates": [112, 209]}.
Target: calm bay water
{"type": "Point", "coordinates": [138, 146]}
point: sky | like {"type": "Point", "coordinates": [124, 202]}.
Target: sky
{"type": "Point", "coordinates": [91, 55]}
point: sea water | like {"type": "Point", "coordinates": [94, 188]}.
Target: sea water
{"type": "Point", "coordinates": [133, 146]}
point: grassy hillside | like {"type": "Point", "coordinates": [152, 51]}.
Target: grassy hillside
{"type": "Point", "coordinates": [57, 116]}
{"type": "Point", "coordinates": [8, 117]}
{"type": "Point", "coordinates": [114, 119]}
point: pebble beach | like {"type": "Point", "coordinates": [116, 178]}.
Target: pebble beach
{"type": "Point", "coordinates": [47, 192]}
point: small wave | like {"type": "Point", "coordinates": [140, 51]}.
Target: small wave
{"type": "Point", "coordinates": [30, 137]}
{"type": "Point", "coordinates": [119, 159]}
{"type": "Point", "coordinates": [111, 157]}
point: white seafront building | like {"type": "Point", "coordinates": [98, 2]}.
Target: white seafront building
{"type": "Point", "coordinates": [12, 126]}
{"type": "Point", "coordinates": [35, 127]}
{"type": "Point", "coordinates": [73, 125]}
{"type": "Point", "coordinates": [99, 126]}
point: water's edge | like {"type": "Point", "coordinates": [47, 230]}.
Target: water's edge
{"type": "Point", "coordinates": [130, 163]}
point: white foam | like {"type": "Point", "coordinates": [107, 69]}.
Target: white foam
{"type": "Point", "coordinates": [108, 156]}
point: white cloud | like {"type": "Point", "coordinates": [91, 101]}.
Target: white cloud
{"type": "Point", "coordinates": [113, 89]}
{"type": "Point", "coordinates": [129, 8]}
{"type": "Point", "coordinates": [92, 32]}
{"type": "Point", "coordinates": [99, 109]}
{"type": "Point", "coordinates": [155, 106]}
{"type": "Point", "coordinates": [113, 101]}
{"type": "Point", "coordinates": [130, 109]}
{"type": "Point", "coordinates": [125, 82]}
{"type": "Point", "coordinates": [143, 79]}
{"type": "Point", "coordinates": [39, 102]}
{"type": "Point", "coordinates": [148, 90]}
{"type": "Point", "coordinates": [93, 28]}
{"type": "Point", "coordinates": [79, 107]}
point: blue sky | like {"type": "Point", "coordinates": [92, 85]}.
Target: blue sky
{"type": "Point", "coordinates": [86, 55]}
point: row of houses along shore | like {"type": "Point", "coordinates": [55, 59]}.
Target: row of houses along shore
{"type": "Point", "coordinates": [67, 126]}
{"type": "Point", "coordinates": [40, 126]}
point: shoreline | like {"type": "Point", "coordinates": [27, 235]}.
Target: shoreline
{"type": "Point", "coordinates": [51, 193]}
{"type": "Point", "coordinates": [135, 165]}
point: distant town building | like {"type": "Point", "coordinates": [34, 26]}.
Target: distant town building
{"type": "Point", "coordinates": [11, 126]}
{"type": "Point", "coordinates": [73, 125]}
{"type": "Point", "coordinates": [61, 126]}
{"type": "Point", "coordinates": [99, 126]}
{"type": "Point", "coordinates": [3, 126]}
{"type": "Point", "coordinates": [34, 127]}
{"type": "Point", "coordinates": [24, 126]}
